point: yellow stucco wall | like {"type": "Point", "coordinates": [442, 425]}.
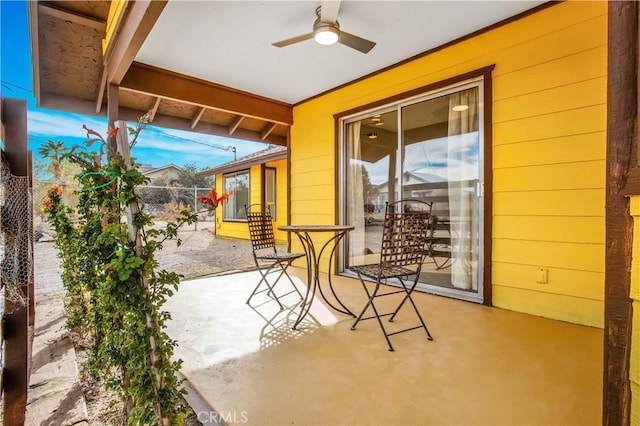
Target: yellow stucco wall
{"type": "Point", "coordinates": [549, 122]}
{"type": "Point", "coordinates": [634, 367]}
{"type": "Point", "coordinates": [240, 230]}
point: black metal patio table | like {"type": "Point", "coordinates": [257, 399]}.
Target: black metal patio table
{"type": "Point", "coordinates": [313, 263]}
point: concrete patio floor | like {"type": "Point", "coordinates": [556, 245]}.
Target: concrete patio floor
{"type": "Point", "coordinates": [485, 366]}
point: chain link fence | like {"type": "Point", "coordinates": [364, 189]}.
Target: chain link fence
{"type": "Point", "coordinates": [164, 203]}
{"type": "Point", "coordinates": [15, 236]}
{"type": "Point", "coordinates": [201, 253]}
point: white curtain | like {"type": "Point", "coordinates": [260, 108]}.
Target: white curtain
{"type": "Point", "coordinates": [355, 195]}
{"type": "Point", "coordinates": [462, 168]}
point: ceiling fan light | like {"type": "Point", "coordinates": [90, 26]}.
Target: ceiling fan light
{"type": "Point", "coordinates": [460, 108]}
{"type": "Point", "coordinates": [326, 35]}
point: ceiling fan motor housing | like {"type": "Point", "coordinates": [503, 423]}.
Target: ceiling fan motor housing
{"type": "Point", "coordinates": [320, 28]}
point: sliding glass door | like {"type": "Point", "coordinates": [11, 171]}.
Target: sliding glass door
{"type": "Point", "coordinates": [428, 148]}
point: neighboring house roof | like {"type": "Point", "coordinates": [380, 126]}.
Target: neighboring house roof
{"type": "Point", "coordinates": [427, 177]}
{"type": "Point", "coordinates": [145, 167]}
{"type": "Point", "coordinates": [164, 175]}
{"type": "Point", "coordinates": [273, 153]}
{"type": "Point", "coordinates": [417, 176]}
{"type": "Point", "coordinates": [168, 167]}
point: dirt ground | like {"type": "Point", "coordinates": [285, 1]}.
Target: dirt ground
{"type": "Point", "coordinates": [200, 254]}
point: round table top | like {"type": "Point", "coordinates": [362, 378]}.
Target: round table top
{"type": "Point", "coordinates": [316, 228]}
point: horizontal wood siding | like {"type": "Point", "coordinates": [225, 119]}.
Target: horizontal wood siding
{"type": "Point", "coordinates": [312, 159]}
{"type": "Point", "coordinates": [255, 186]}
{"type": "Point", "coordinates": [634, 367]}
{"type": "Point", "coordinates": [549, 125]}
{"type": "Point", "coordinates": [281, 199]}
{"type": "Point", "coordinates": [549, 173]}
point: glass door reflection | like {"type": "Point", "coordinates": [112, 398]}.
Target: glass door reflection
{"type": "Point", "coordinates": [428, 149]}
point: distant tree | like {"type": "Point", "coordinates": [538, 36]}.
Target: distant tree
{"type": "Point", "coordinates": [55, 153]}
{"type": "Point", "coordinates": [369, 191]}
{"type": "Point", "coordinates": [55, 163]}
{"type": "Point", "coordinates": [40, 166]}
{"type": "Point", "coordinates": [188, 177]}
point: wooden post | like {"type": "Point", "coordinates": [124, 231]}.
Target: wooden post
{"type": "Point", "coordinates": [16, 319]}
{"type": "Point", "coordinates": [112, 113]}
{"type": "Point", "coordinates": [621, 126]}
{"type": "Point", "coordinates": [122, 143]}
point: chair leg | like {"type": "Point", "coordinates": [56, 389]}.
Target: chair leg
{"type": "Point", "coordinates": [266, 282]}
{"type": "Point", "coordinates": [407, 296]}
{"type": "Point", "coordinates": [372, 296]}
{"type": "Point", "coordinates": [366, 306]}
{"type": "Point", "coordinates": [253, 293]}
{"type": "Point", "coordinates": [384, 331]}
{"type": "Point", "coordinates": [284, 270]}
{"type": "Point", "coordinates": [415, 308]}
{"type": "Point", "coordinates": [271, 287]}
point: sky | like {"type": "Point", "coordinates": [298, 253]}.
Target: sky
{"type": "Point", "coordinates": [155, 146]}
{"type": "Point", "coordinates": [452, 157]}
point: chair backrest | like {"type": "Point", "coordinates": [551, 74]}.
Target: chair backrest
{"type": "Point", "coordinates": [260, 227]}
{"type": "Point", "coordinates": [405, 233]}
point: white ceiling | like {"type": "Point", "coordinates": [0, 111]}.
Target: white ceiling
{"type": "Point", "coordinates": [229, 42]}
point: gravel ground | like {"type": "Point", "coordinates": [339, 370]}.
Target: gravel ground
{"type": "Point", "coordinates": [200, 254]}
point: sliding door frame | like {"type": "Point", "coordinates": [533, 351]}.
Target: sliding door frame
{"type": "Point", "coordinates": [483, 75]}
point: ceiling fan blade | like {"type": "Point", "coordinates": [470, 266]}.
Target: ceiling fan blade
{"type": "Point", "coordinates": [329, 10]}
{"type": "Point", "coordinates": [293, 40]}
{"type": "Point", "coordinates": [355, 42]}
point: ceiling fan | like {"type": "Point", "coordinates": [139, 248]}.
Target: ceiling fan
{"type": "Point", "coordinates": [326, 30]}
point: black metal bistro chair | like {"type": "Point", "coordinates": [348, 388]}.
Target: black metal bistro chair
{"type": "Point", "coordinates": [268, 260]}
{"type": "Point", "coordinates": [404, 238]}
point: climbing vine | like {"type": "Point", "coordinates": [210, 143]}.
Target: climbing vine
{"type": "Point", "coordinates": [115, 289]}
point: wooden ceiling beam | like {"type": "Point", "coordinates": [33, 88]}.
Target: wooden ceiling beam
{"type": "Point", "coordinates": [154, 109]}
{"type": "Point", "coordinates": [202, 127]}
{"type": "Point", "coordinates": [33, 19]}
{"type": "Point", "coordinates": [101, 89]}
{"type": "Point", "coordinates": [82, 106]}
{"type": "Point", "coordinates": [131, 34]}
{"type": "Point", "coordinates": [154, 81]}
{"type": "Point", "coordinates": [267, 130]}
{"type": "Point", "coordinates": [75, 17]}
{"type": "Point", "coordinates": [234, 126]}
{"type": "Point", "coordinates": [197, 116]}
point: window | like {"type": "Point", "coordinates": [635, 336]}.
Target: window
{"type": "Point", "coordinates": [238, 182]}
{"type": "Point", "coordinates": [270, 190]}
